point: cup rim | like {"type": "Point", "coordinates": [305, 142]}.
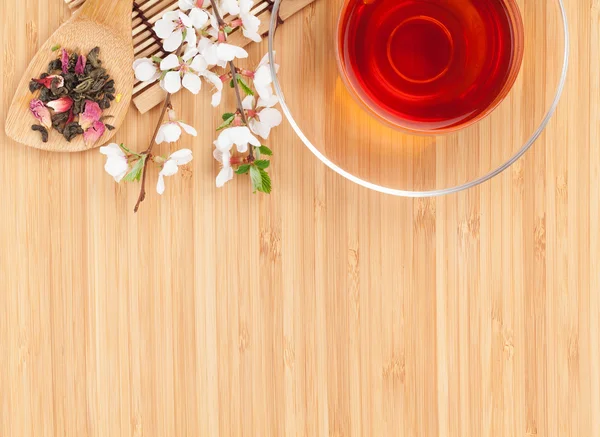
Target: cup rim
{"type": "Point", "coordinates": [428, 193]}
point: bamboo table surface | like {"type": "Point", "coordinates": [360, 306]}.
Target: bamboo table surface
{"type": "Point", "coordinates": [322, 310]}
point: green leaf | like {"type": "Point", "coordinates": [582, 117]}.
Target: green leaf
{"type": "Point", "coordinates": [231, 84]}
{"type": "Point", "coordinates": [228, 29]}
{"type": "Point", "coordinates": [261, 181]}
{"type": "Point", "coordinates": [228, 115]}
{"type": "Point", "coordinates": [55, 47]}
{"type": "Point", "coordinates": [265, 150]}
{"type": "Point", "coordinates": [266, 182]}
{"type": "Point", "coordinates": [156, 59]}
{"type": "Point", "coordinates": [262, 164]}
{"type": "Point", "coordinates": [255, 177]}
{"type": "Point", "coordinates": [226, 122]}
{"type": "Point", "coordinates": [245, 86]}
{"type": "Point", "coordinates": [185, 33]}
{"type": "Point", "coordinates": [243, 169]}
{"type": "Point", "coordinates": [136, 171]}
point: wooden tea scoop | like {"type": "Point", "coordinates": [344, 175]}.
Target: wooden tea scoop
{"type": "Point", "coordinates": [102, 23]}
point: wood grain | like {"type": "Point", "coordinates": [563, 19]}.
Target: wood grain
{"type": "Point", "coordinates": [322, 310]}
{"type": "Point", "coordinates": [99, 23]}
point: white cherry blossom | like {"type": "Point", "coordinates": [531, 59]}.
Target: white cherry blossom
{"type": "Point", "coordinates": [261, 121]}
{"type": "Point", "coordinates": [174, 28]}
{"type": "Point", "coordinates": [117, 164]}
{"type": "Point", "coordinates": [171, 130]}
{"type": "Point", "coordinates": [226, 173]}
{"type": "Point", "coordinates": [182, 72]}
{"type": "Point", "coordinates": [171, 167]}
{"type": "Point", "coordinates": [239, 136]}
{"type": "Point", "coordinates": [249, 22]}
{"type": "Point", "coordinates": [220, 53]}
{"type": "Point", "coordinates": [197, 14]}
{"type": "Point", "coordinates": [263, 80]}
{"type": "Point", "coordinates": [146, 70]}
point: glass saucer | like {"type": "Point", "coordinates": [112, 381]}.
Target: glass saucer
{"type": "Point", "coordinates": [343, 135]}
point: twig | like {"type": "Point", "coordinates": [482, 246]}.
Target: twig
{"type": "Point", "coordinates": [142, 195]}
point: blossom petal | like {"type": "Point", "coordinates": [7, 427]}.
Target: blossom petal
{"type": "Point", "coordinates": [187, 22]}
{"type": "Point", "coordinates": [192, 82]}
{"type": "Point", "coordinates": [199, 64]}
{"type": "Point", "coordinates": [228, 52]}
{"type": "Point", "coordinates": [219, 155]}
{"type": "Point", "coordinates": [199, 18]}
{"type": "Point", "coordinates": [268, 102]}
{"type": "Point", "coordinates": [208, 50]}
{"type": "Point", "coordinates": [164, 27]}
{"type": "Point", "coordinates": [160, 185]}
{"type": "Point", "coordinates": [191, 38]}
{"type": "Point", "coordinates": [172, 82]}
{"type": "Point", "coordinates": [224, 176]}
{"type": "Point", "coordinates": [261, 129]}
{"type": "Point", "coordinates": [171, 16]}
{"type": "Point", "coordinates": [112, 149]}
{"type": "Point", "coordinates": [230, 7]}
{"type": "Point", "coordinates": [188, 129]}
{"type": "Point", "coordinates": [117, 167]}
{"type": "Point", "coordinates": [262, 77]}
{"type": "Point", "coordinates": [169, 62]}
{"type": "Point", "coordinates": [186, 5]}
{"type": "Point", "coordinates": [248, 102]}
{"type": "Point", "coordinates": [271, 116]}
{"type": "Point", "coordinates": [181, 157]}
{"type": "Point", "coordinates": [169, 168]}
{"type": "Point", "coordinates": [245, 6]}
{"type": "Point", "coordinates": [173, 41]}
{"type": "Point", "coordinates": [252, 34]}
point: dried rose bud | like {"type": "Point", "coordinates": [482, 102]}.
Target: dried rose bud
{"type": "Point", "coordinates": [80, 66]}
{"type": "Point", "coordinates": [91, 114]}
{"type": "Point", "coordinates": [61, 105]}
{"type": "Point", "coordinates": [95, 131]}
{"type": "Point", "coordinates": [47, 81]}
{"type": "Point", "coordinates": [65, 61]}
{"type": "Point", "coordinates": [41, 113]}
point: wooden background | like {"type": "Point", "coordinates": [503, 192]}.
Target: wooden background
{"type": "Point", "coordinates": [322, 310]}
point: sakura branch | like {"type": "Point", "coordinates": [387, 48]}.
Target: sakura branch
{"type": "Point", "coordinates": [196, 38]}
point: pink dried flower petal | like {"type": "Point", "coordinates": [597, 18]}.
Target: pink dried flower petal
{"type": "Point", "coordinates": [47, 81]}
{"type": "Point", "coordinates": [63, 104]}
{"type": "Point", "coordinates": [65, 61]}
{"type": "Point", "coordinates": [91, 113]}
{"type": "Point", "coordinates": [91, 135]}
{"type": "Point", "coordinates": [41, 113]}
{"type": "Point", "coordinates": [80, 66]}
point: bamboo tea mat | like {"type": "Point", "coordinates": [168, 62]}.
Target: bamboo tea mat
{"type": "Point", "coordinates": [147, 44]}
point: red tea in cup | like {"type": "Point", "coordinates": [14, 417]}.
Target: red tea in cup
{"type": "Point", "coordinates": [430, 66]}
